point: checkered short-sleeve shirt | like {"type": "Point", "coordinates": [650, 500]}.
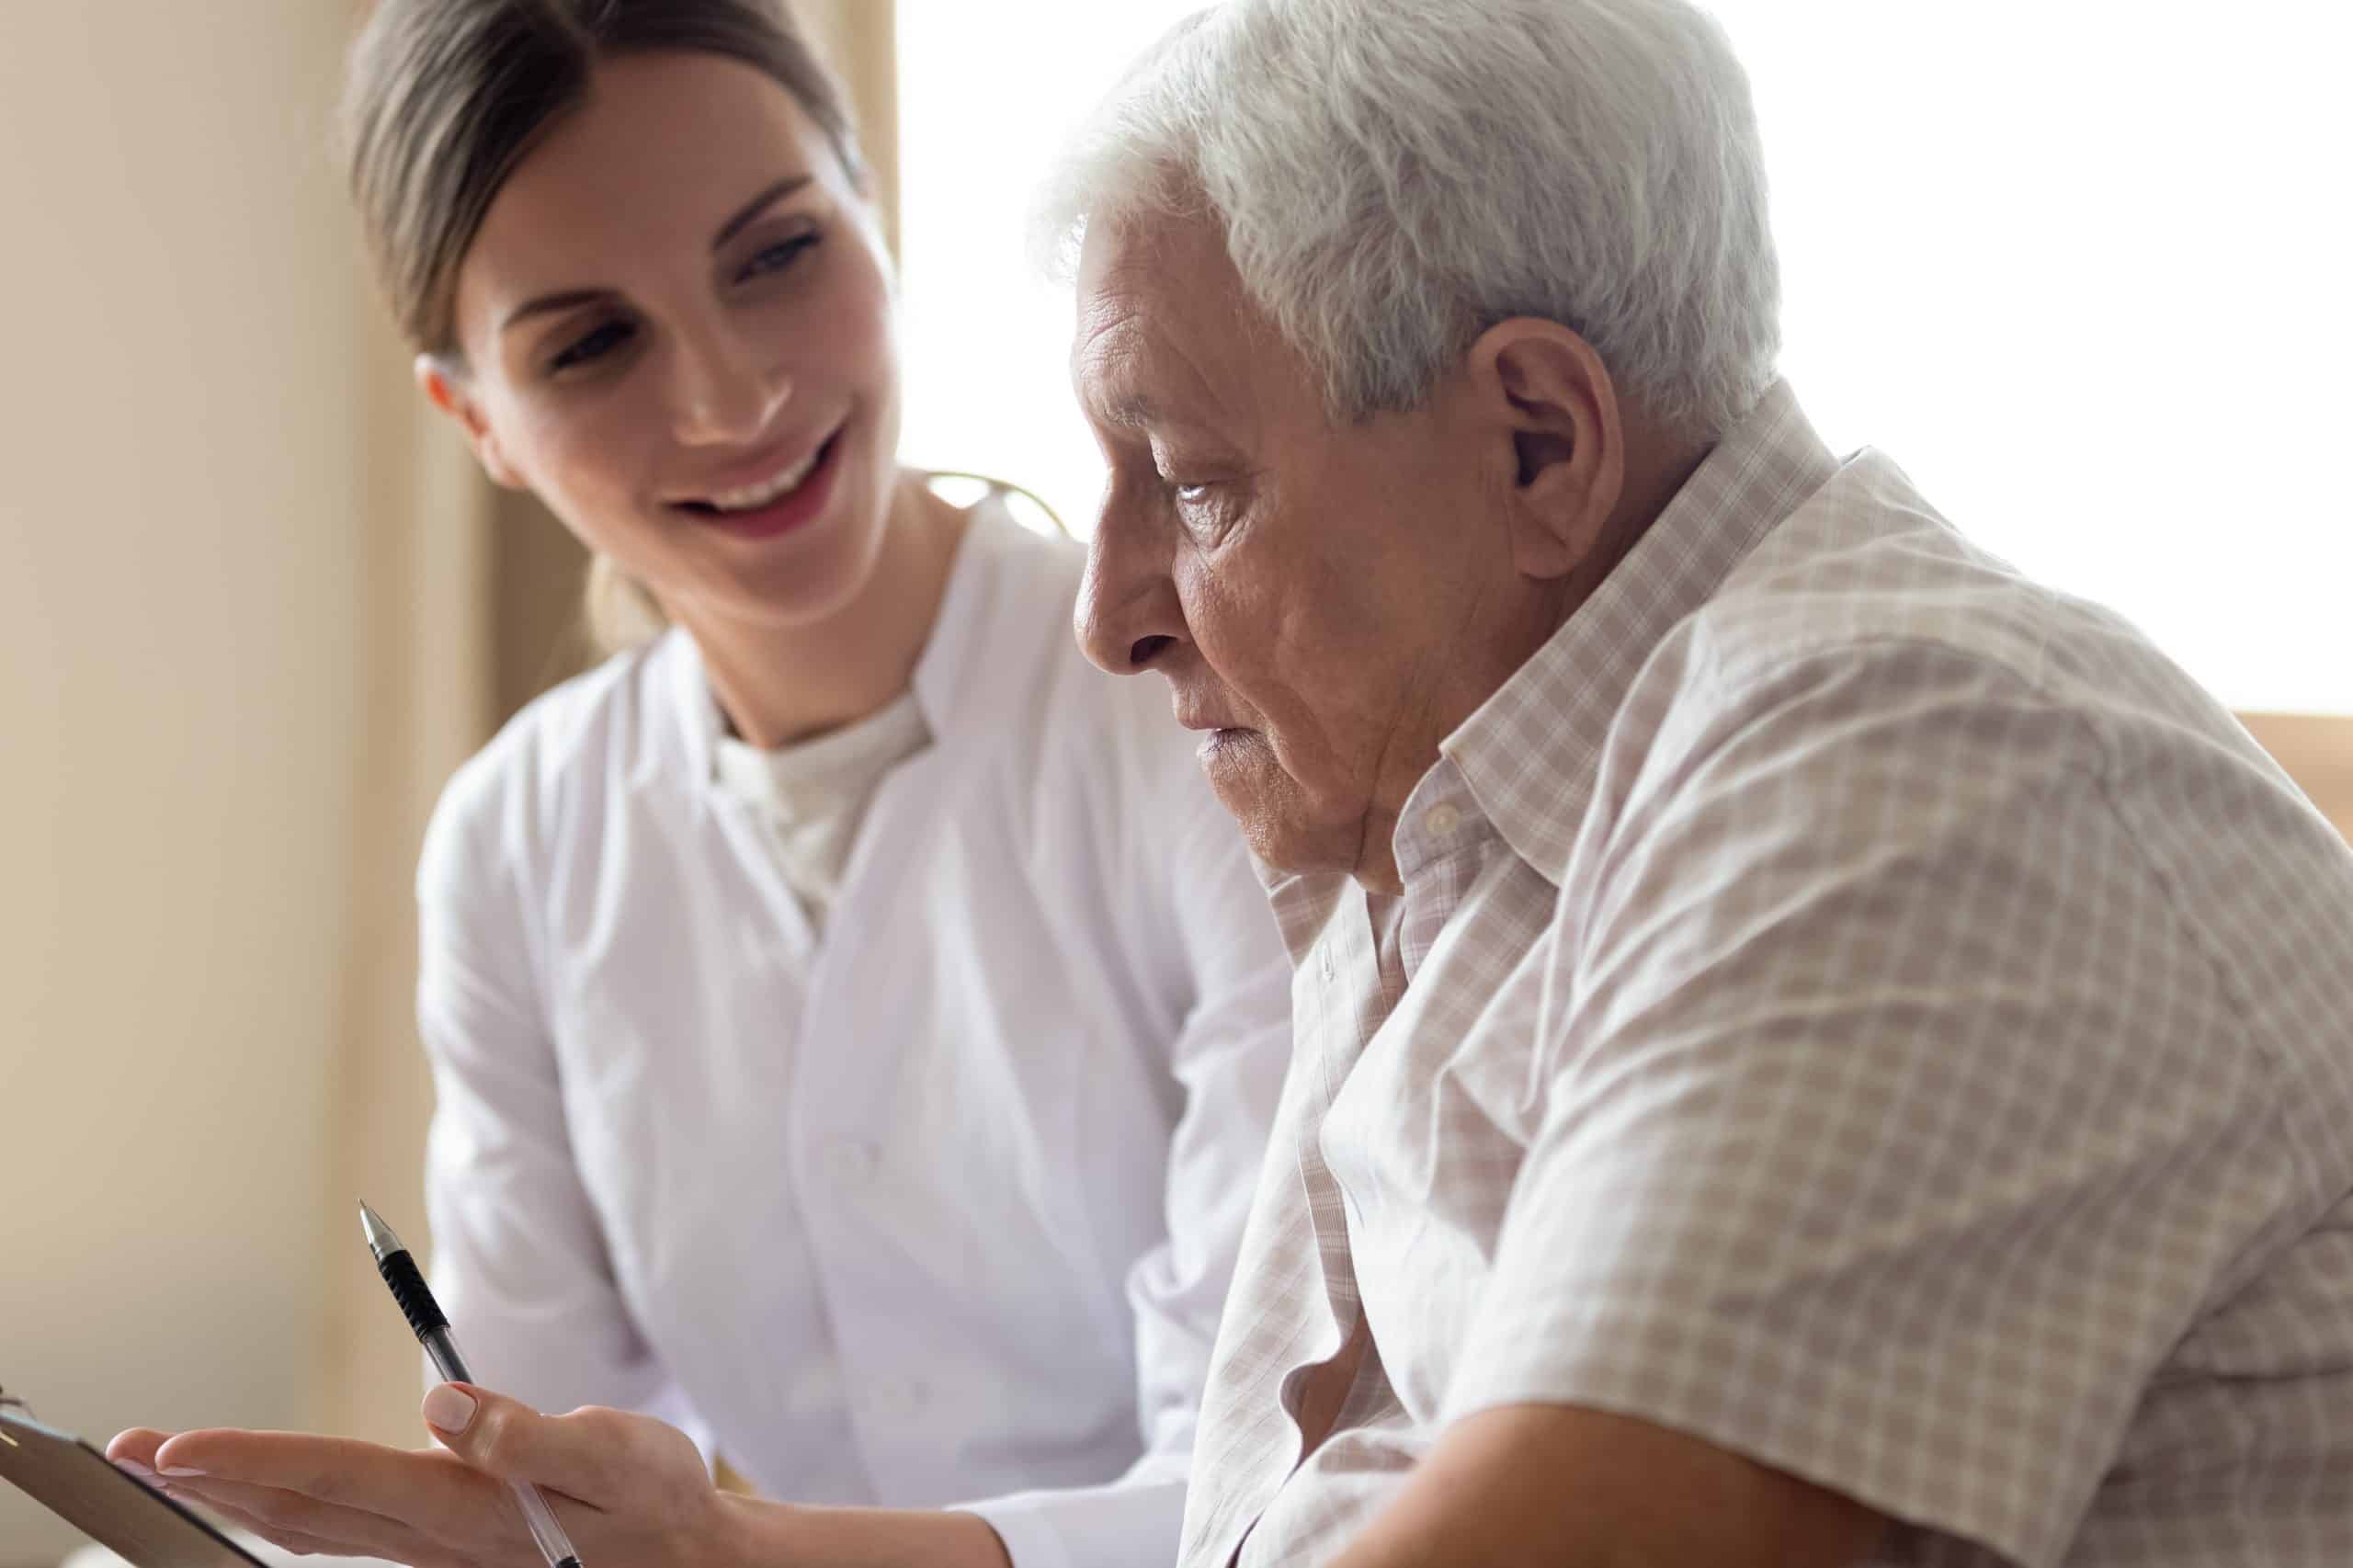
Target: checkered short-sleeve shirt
{"type": "Point", "coordinates": [1849, 1004]}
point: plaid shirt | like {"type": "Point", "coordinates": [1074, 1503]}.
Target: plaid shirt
{"type": "Point", "coordinates": [1849, 1004]}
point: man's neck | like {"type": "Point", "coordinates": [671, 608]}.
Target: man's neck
{"type": "Point", "coordinates": [1654, 479]}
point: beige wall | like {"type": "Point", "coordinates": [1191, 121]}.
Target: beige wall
{"type": "Point", "coordinates": [180, 690]}
{"type": "Point", "coordinates": [2318, 752]}
{"type": "Point", "coordinates": [236, 650]}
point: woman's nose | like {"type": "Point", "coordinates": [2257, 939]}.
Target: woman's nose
{"type": "Point", "coordinates": [727, 391]}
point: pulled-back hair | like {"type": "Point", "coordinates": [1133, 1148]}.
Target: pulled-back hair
{"type": "Point", "coordinates": [443, 98]}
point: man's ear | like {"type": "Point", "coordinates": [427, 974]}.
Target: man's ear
{"type": "Point", "coordinates": [445, 387]}
{"type": "Point", "coordinates": [1547, 401]}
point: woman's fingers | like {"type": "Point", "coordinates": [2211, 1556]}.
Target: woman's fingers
{"type": "Point", "coordinates": [346, 1492]}
{"type": "Point", "coordinates": [304, 1543]}
{"type": "Point", "coordinates": [137, 1447]}
{"type": "Point", "coordinates": [507, 1439]}
{"type": "Point", "coordinates": [629, 1488]}
{"type": "Point", "coordinates": [283, 1519]}
{"type": "Point", "coordinates": [591, 1455]}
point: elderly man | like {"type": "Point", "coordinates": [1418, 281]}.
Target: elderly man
{"type": "Point", "coordinates": [1813, 1050]}
{"type": "Point", "coordinates": [1811, 1046]}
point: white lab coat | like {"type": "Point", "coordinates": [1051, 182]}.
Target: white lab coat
{"type": "Point", "coordinates": [939, 1206]}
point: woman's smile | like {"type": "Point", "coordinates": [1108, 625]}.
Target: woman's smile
{"type": "Point", "coordinates": [781, 503]}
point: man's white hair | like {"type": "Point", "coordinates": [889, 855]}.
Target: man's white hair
{"type": "Point", "coordinates": [1396, 176]}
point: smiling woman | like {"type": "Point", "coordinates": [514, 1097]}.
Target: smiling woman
{"type": "Point", "coordinates": [854, 1024]}
{"type": "Point", "coordinates": [642, 395]}
{"type": "Point", "coordinates": [550, 343]}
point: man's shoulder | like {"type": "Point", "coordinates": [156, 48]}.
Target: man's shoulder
{"type": "Point", "coordinates": [1866, 577]}
{"type": "Point", "coordinates": [1864, 614]}
{"type": "Point", "coordinates": [1867, 569]}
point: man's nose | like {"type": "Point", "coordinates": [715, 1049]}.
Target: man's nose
{"type": "Point", "coordinates": [1129, 616]}
{"type": "Point", "coordinates": [727, 391]}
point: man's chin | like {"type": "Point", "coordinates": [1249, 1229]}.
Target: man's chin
{"type": "Point", "coordinates": [1285, 838]}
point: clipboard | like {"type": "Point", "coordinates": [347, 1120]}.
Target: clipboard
{"type": "Point", "coordinates": [114, 1508]}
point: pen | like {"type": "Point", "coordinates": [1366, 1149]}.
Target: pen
{"type": "Point", "coordinates": [424, 1315]}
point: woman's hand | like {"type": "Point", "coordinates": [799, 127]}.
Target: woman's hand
{"type": "Point", "coordinates": [629, 1488]}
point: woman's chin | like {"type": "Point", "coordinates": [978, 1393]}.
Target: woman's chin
{"type": "Point", "coordinates": [790, 589]}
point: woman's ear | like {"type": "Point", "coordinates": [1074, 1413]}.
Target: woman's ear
{"type": "Point", "coordinates": [1547, 402]}
{"type": "Point", "coordinates": [445, 387]}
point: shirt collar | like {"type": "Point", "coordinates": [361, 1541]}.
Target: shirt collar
{"type": "Point", "coordinates": [1559, 706]}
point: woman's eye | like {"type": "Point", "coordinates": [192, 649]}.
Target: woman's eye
{"type": "Point", "coordinates": [593, 345]}
{"type": "Point", "coordinates": [776, 257]}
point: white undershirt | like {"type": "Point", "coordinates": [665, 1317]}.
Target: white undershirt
{"type": "Point", "coordinates": [812, 795]}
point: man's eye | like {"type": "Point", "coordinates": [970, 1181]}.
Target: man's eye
{"type": "Point", "coordinates": [776, 257]}
{"type": "Point", "coordinates": [593, 345]}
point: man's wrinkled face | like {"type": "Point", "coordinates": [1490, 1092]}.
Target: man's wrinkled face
{"type": "Point", "coordinates": [1305, 589]}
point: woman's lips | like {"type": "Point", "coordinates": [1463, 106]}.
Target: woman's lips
{"type": "Point", "coordinates": [788, 511]}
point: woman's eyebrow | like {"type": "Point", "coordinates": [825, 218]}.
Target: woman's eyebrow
{"type": "Point", "coordinates": [565, 299]}
{"type": "Point", "coordinates": [546, 304]}
{"type": "Point", "coordinates": [756, 206]}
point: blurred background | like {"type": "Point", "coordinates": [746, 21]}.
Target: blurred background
{"type": "Point", "coordinates": [2079, 264]}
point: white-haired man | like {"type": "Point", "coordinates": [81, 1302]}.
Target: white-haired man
{"type": "Point", "coordinates": [1812, 1049]}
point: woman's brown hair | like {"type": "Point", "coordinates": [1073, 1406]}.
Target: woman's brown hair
{"type": "Point", "coordinates": [444, 98]}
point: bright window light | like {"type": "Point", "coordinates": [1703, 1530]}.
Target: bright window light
{"type": "Point", "coordinates": [986, 94]}
{"type": "Point", "coordinates": [2080, 268]}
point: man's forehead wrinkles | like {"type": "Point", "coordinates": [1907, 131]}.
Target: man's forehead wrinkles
{"type": "Point", "coordinates": [1102, 370]}
{"type": "Point", "coordinates": [1133, 378]}
{"type": "Point", "coordinates": [1105, 329]}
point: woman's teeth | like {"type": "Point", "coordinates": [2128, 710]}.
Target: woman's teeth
{"type": "Point", "coordinates": [751, 498]}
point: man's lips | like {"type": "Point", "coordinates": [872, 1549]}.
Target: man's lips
{"type": "Point", "coordinates": [1218, 737]}
{"type": "Point", "coordinates": [1193, 716]}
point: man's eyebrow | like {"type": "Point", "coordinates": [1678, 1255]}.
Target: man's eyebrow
{"type": "Point", "coordinates": [1132, 410]}
{"type": "Point", "coordinates": [565, 299]}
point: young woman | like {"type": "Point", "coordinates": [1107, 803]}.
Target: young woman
{"type": "Point", "coordinates": [854, 1023]}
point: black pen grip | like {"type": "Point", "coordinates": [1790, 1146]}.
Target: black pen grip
{"type": "Point", "coordinates": [417, 1305]}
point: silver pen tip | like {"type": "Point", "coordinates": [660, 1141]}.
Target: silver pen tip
{"type": "Point", "coordinates": [381, 1239]}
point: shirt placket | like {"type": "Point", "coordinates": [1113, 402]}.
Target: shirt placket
{"type": "Point", "coordinates": [1338, 1006]}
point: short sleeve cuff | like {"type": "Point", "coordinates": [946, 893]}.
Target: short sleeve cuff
{"type": "Point", "coordinates": [1736, 1387]}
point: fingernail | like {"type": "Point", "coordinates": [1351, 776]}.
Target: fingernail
{"type": "Point", "coordinates": [133, 1467]}
{"type": "Point", "coordinates": [449, 1409]}
{"type": "Point", "coordinates": [181, 1473]}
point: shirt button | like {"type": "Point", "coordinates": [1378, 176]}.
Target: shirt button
{"type": "Point", "coordinates": [1323, 961]}
{"type": "Point", "coordinates": [1443, 820]}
